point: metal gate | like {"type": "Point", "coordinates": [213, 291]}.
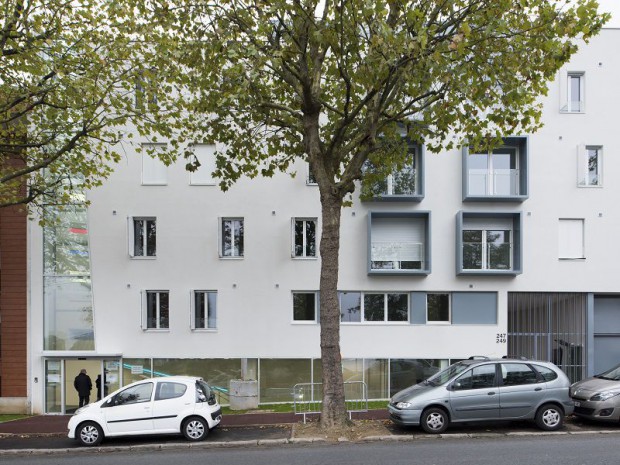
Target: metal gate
{"type": "Point", "coordinates": [551, 327]}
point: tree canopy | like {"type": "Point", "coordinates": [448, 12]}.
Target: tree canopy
{"type": "Point", "coordinates": [68, 74]}
{"type": "Point", "coordinates": [346, 85]}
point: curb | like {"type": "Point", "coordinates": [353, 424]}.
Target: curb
{"type": "Point", "coordinates": [293, 441]}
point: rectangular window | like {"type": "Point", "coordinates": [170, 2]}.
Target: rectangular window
{"type": "Point", "coordinates": [494, 173]}
{"type": "Point", "coordinates": [144, 235]}
{"type": "Point", "coordinates": [232, 237]}
{"type": "Point", "coordinates": [590, 164]}
{"type": "Point", "coordinates": [571, 239]}
{"type": "Point", "coordinates": [402, 183]}
{"type": "Point", "coordinates": [373, 307]}
{"type": "Point", "coordinates": [438, 308]}
{"type": "Point", "coordinates": [575, 92]}
{"type": "Point", "coordinates": [398, 243]}
{"type": "Point", "coordinates": [304, 306]}
{"type": "Point", "coordinates": [204, 315]}
{"type": "Point", "coordinates": [146, 90]}
{"type": "Point", "coordinates": [304, 238]}
{"type": "Point", "coordinates": [487, 249]}
{"type": "Point", "coordinates": [154, 170]}
{"type": "Point", "coordinates": [350, 307]}
{"type": "Point", "coordinates": [205, 155]}
{"type": "Point", "coordinates": [310, 179]}
{"type": "Point", "coordinates": [157, 310]}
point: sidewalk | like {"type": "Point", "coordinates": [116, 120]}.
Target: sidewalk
{"type": "Point", "coordinates": [47, 434]}
{"type": "Point", "coordinates": [57, 424]}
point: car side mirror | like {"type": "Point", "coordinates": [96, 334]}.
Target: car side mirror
{"type": "Point", "coordinates": [211, 400]}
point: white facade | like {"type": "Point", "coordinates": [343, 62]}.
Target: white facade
{"type": "Point", "coordinates": [255, 293]}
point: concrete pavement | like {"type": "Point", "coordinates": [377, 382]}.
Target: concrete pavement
{"type": "Point", "coordinates": [47, 434]}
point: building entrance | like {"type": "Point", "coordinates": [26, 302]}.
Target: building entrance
{"type": "Point", "coordinates": [60, 393]}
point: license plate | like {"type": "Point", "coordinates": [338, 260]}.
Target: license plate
{"type": "Point", "coordinates": [577, 404]}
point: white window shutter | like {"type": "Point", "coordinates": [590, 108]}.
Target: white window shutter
{"type": "Point", "coordinates": [143, 310]}
{"type": "Point", "coordinates": [192, 310]}
{"type": "Point", "coordinates": [563, 83]}
{"type": "Point", "coordinates": [154, 171]}
{"type": "Point", "coordinates": [205, 153]}
{"type": "Point", "coordinates": [570, 240]}
{"type": "Point", "coordinates": [219, 236]}
{"type": "Point", "coordinates": [293, 237]}
{"type": "Point", "coordinates": [130, 238]}
{"type": "Point", "coordinates": [582, 165]}
{"type": "Point", "coordinates": [399, 239]}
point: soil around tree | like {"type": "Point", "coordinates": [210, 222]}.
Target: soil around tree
{"type": "Point", "coordinates": [357, 430]}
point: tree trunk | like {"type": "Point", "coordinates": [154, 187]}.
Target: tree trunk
{"type": "Point", "coordinates": [334, 412]}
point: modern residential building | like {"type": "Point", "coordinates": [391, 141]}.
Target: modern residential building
{"type": "Point", "coordinates": [512, 251]}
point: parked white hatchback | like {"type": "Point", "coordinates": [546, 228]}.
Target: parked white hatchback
{"type": "Point", "coordinates": [174, 404]}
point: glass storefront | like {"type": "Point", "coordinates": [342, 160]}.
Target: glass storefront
{"type": "Point", "coordinates": [277, 377]}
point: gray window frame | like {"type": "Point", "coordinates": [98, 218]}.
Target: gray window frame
{"type": "Point", "coordinates": [426, 216]}
{"type": "Point", "coordinates": [419, 166]}
{"type": "Point", "coordinates": [517, 242]}
{"type": "Point", "coordinates": [521, 144]}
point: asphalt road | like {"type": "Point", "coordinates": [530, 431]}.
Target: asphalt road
{"type": "Point", "coordinates": [599, 449]}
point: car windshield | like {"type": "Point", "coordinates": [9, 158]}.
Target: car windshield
{"type": "Point", "coordinates": [446, 375]}
{"type": "Point", "coordinates": [613, 374]}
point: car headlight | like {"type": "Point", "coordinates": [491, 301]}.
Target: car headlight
{"type": "Point", "coordinates": [402, 405]}
{"type": "Point", "coordinates": [604, 395]}
{"type": "Point", "coordinates": [80, 410]}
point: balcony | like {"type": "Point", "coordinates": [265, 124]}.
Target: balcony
{"type": "Point", "coordinates": [500, 175]}
{"type": "Point", "coordinates": [494, 183]}
{"type": "Point", "coordinates": [399, 243]}
{"type": "Point", "coordinates": [397, 256]}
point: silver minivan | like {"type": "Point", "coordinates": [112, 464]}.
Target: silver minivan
{"type": "Point", "coordinates": [482, 389]}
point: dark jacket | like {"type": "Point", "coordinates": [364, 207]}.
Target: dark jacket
{"type": "Point", "coordinates": [83, 384]}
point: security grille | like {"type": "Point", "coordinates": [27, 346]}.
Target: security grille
{"type": "Point", "coordinates": [550, 327]}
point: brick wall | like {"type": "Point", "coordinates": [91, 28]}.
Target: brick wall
{"type": "Point", "coordinates": [13, 303]}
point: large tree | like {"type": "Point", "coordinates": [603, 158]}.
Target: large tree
{"type": "Point", "coordinates": [347, 84]}
{"type": "Point", "coordinates": [68, 74]}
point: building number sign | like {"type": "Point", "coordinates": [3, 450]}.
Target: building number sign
{"type": "Point", "coordinates": [500, 338]}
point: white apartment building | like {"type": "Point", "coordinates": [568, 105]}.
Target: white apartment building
{"type": "Point", "coordinates": [510, 252]}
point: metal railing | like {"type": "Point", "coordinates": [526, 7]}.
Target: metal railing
{"type": "Point", "coordinates": [494, 182]}
{"type": "Point", "coordinates": [396, 252]}
{"type": "Point", "coordinates": [308, 398]}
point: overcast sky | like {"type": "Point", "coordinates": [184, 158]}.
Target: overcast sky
{"type": "Point", "coordinates": [613, 6]}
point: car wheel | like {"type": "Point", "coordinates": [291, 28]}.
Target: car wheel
{"type": "Point", "coordinates": [549, 417]}
{"type": "Point", "coordinates": [195, 429]}
{"type": "Point", "coordinates": [89, 434]}
{"type": "Point", "coordinates": [435, 420]}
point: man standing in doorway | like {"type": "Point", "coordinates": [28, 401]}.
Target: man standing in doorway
{"type": "Point", "coordinates": [83, 385]}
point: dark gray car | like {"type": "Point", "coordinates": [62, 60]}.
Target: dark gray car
{"type": "Point", "coordinates": [598, 398]}
{"type": "Point", "coordinates": [485, 389]}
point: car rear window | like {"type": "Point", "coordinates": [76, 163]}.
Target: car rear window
{"type": "Point", "coordinates": [168, 390]}
{"type": "Point", "coordinates": [547, 373]}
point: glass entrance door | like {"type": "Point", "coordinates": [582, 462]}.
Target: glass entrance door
{"type": "Point", "coordinates": [72, 370]}
{"type": "Point", "coordinates": [60, 393]}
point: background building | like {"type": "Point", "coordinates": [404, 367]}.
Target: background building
{"type": "Point", "coordinates": [510, 252]}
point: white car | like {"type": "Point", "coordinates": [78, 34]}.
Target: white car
{"type": "Point", "coordinates": [174, 404]}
